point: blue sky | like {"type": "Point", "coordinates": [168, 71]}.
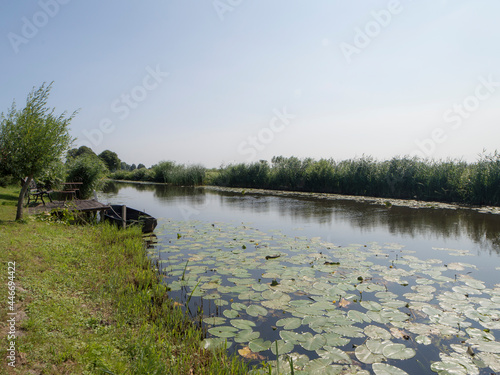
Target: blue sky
{"type": "Point", "coordinates": [222, 81]}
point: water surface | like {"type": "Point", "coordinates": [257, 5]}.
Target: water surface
{"type": "Point", "coordinates": [208, 239]}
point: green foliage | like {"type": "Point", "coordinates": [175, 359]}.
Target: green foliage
{"type": "Point", "coordinates": [53, 175]}
{"type": "Point", "coordinates": [165, 172]}
{"type": "Point", "coordinates": [32, 139]}
{"type": "Point", "coordinates": [110, 159]}
{"type": "Point", "coordinates": [401, 177]}
{"type": "Point", "coordinates": [35, 137]}
{"type": "Point", "coordinates": [88, 169]}
{"type": "Point", "coordinates": [76, 152]}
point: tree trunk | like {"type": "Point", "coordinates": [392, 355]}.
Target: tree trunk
{"type": "Point", "coordinates": [20, 201]}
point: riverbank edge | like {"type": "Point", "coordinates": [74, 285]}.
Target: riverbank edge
{"type": "Point", "coordinates": [386, 202]}
{"type": "Point", "coordinates": [88, 300]}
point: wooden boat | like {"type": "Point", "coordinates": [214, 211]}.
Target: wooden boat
{"type": "Point", "coordinates": [134, 217]}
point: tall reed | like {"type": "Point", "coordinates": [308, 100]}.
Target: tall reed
{"type": "Point", "coordinates": [404, 177]}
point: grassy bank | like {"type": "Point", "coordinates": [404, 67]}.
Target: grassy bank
{"type": "Point", "coordinates": [88, 302]}
{"type": "Point", "coordinates": [403, 178]}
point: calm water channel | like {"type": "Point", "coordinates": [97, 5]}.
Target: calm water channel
{"type": "Point", "coordinates": [398, 238]}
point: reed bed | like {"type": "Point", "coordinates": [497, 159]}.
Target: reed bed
{"type": "Point", "coordinates": [165, 172]}
{"type": "Point", "coordinates": [405, 177]}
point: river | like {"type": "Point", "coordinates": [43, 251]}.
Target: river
{"type": "Point", "coordinates": [441, 252]}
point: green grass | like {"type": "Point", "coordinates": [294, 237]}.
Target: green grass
{"type": "Point", "coordinates": [89, 302]}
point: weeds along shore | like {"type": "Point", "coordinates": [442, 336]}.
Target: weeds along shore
{"type": "Point", "coordinates": [88, 301]}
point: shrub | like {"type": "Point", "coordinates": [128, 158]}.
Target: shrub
{"type": "Point", "coordinates": [88, 169]}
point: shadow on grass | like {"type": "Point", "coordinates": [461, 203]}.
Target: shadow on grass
{"type": "Point", "coordinates": [8, 197]}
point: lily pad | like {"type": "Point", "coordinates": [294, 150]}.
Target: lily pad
{"type": "Point", "coordinates": [385, 369]}
{"type": "Point", "coordinates": [242, 323]}
{"type": "Point", "coordinates": [256, 310]}
{"type": "Point", "coordinates": [246, 335]}
{"type": "Point", "coordinates": [364, 355]}
{"type": "Point", "coordinates": [259, 345]}
{"type": "Point", "coordinates": [376, 332]}
{"type": "Point", "coordinates": [334, 355]}
{"type": "Point", "coordinates": [398, 351]}
{"type": "Point", "coordinates": [284, 347]}
{"type": "Point", "coordinates": [289, 323]}
{"type": "Point", "coordinates": [223, 331]}
{"type": "Point", "coordinates": [311, 342]}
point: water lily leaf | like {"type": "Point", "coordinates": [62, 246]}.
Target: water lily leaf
{"type": "Point", "coordinates": [223, 331]}
{"type": "Point", "coordinates": [385, 369]}
{"type": "Point", "coordinates": [398, 351]}
{"type": "Point", "coordinates": [370, 287]}
{"type": "Point", "coordinates": [393, 315]}
{"type": "Point", "coordinates": [246, 335]}
{"type": "Point", "coordinates": [377, 346]}
{"type": "Point", "coordinates": [256, 310]}
{"type": "Point", "coordinates": [349, 331]}
{"type": "Point", "coordinates": [320, 366]}
{"type": "Point", "coordinates": [333, 339]}
{"type": "Point", "coordinates": [291, 336]}
{"type": "Point", "coordinates": [278, 303]}
{"type": "Point", "coordinates": [448, 368]}
{"type": "Point", "coordinates": [311, 342]}
{"type": "Point", "coordinates": [242, 323]}
{"type": "Point", "coordinates": [238, 306]}
{"type": "Point", "coordinates": [231, 314]}
{"type": "Point", "coordinates": [476, 284]}
{"type": "Point", "coordinates": [358, 316]}
{"type": "Point", "coordinates": [386, 295]}
{"type": "Point", "coordinates": [214, 321]}
{"type": "Point", "coordinates": [260, 287]}
{"type": "Point", "coordinates": [424, 340]}
{"type": "Point", "coordinates": [284, 347]}
{"type": "Point", "coordinates": [491, 360]}
{"type": "Point", "coordinates": [490, 347]}
{"type": "Point", "coordinates": [334, 355]}
{"type": "Point", "coordinates": [371, 305]}
{"type": "Point", "coordinates": [289, 323]}
{"type": "Point", "coordinates": [259, 345]}
{"type": "Point", "coordinates": [363, 354]}
{"type": "Point", "coordinates": [376, 332]}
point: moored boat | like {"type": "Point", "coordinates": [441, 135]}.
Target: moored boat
{"type": "Point", "coordinates": [133, 217]}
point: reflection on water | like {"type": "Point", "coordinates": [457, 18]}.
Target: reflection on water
{"type": "Point", "coordinates": [319, 217]}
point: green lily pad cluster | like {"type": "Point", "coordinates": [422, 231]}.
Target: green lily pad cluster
{"type": "Point", "coordinates": [357, 309]}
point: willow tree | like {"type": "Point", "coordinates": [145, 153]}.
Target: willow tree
{"type": "Point", "coordinates": [33, 138]}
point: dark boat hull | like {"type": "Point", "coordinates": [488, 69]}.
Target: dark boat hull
{"type": "Point", "coordinates": [134, 217]}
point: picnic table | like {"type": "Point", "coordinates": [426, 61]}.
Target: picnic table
{"type": "Point", "coordinates": [71, 190]}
